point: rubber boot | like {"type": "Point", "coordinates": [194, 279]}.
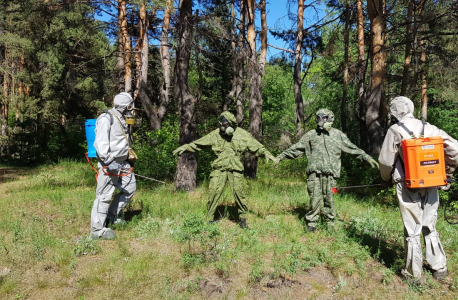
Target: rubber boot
{"type": "Point", "coordinates": [243, 224]}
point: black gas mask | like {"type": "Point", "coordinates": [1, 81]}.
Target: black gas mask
{"type": "Point", "coordinates": [225, 126]}
{"type": "Point", "coordinates": [322, 122]}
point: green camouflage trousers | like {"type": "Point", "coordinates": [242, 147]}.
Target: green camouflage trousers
{"type": "Point", "coordinates": [319, 187]}
{"type": "Point", "coordinates": [218, 180]}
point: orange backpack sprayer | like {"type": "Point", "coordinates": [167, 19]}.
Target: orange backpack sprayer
{"type": "Point", "coordinates": [424, 162]}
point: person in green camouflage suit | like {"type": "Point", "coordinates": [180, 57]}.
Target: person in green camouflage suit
{"type": "Point", "coordinates": [323, 147]}
{"type": "Point", "coordinates": [229, 143]}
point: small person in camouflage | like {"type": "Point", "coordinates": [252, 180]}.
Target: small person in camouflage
{"type": "Point", "coordinates": [323, 147]}
{"type": "Point", "coordinates": [229, 143]}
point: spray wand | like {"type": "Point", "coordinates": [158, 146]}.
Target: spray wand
{"type": "Point", "coordinates": [336, 190]}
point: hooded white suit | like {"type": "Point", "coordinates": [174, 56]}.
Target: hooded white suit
{"type": "Point", "coordinates": [418, 207]}
{"type": "Point", "coordinates": [112, 146]}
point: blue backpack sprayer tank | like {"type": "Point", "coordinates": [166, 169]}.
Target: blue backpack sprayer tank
{"type": "Point", "coordinates": [89, 127]}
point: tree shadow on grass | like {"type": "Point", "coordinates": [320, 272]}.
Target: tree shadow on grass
{"type": "Point", "coordinates": [131, 213]}
{"type": "Point", "coordinates": [300, 212]}
{"type": "Point", "coordinates": [389, 254]}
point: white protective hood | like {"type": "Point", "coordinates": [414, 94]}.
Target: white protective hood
{"type": "Point", "coordinates": [400, 107]}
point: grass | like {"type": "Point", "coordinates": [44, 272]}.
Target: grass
{"type": "Point", "coordinates": [168, 251]}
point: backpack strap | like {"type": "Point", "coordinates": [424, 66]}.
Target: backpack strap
{"type": "Point", "coordinates": [108, 113]}
{"type": "Point", "coordinates": [400, 124]}
{"type": "Point", "coordinates": [422, 134]}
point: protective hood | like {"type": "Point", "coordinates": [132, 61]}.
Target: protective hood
{"type": "Point", "coordinates": [400, 107]}
{"type": "Point", "coordinates": [230, 118]}
{"type": "Point", "coordinates": [122, 100]}
{"type": "Point", "coordinates": [327, 112]}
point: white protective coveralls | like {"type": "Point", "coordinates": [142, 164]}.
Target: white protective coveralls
{"type": "Point", "coordinates": [111, 146]}
{"type": "Point", "coordinates": [418, 206]}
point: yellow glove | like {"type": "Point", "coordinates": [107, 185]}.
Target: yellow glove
{"type": "Point", "coordinates": [180, 150]}
{"type": "Point", "coordinates": [373, 163]}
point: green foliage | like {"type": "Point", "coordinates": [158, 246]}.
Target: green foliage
{"type": "Point", "coordinates": [445, 116]}
{"type": "Point", "coordinates": [278, 104]}
{"type": "Point", "coordinates": [86, 245]}
{"type": "Point", "coordinates": [154, 150]}
{"type": "Point", "coordinates": [169, 249]}
{"type": "Point", "coordinates": [256, 272]}
{"type": "Point", "coordinates": [196, 228]}
{"type": "Point", "coordinates": [357, 172]}
{"type": "Point", "coordinates": [147, 227]}
{"type": "Point", "coordinates": [62, 53]}
{"type": "Point", "coordinates": [368, 224]}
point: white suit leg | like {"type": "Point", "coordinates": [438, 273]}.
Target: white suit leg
{"type": "Point", "coordinates": [127, 186]}
{"type": "Point", "coordinates": [105, 188]}
{"type": "Point", "coordinates": [435, 255]}
{"type": "Point", "coordinates": [412, 215]}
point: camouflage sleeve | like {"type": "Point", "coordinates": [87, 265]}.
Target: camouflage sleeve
{"type": "Point", "coordinates": [255, 147]}
{"type": "Point", "coordinates": [295, 150]}
{"type": "Point", "coordinates": [204, 141]}
{"type": "Point", "coordinates": [349, 147]}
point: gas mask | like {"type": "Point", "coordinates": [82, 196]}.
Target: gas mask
{"type": "Point", "coordinates": [124, 104]}
{"type": "Point", "coordinates": [225, 126]}
{"type": "Point", "coordinates": [129, 114]}
{"type": "Point", "coordinates": [322, 122]}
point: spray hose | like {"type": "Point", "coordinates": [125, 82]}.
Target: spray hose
{"type": "Point", "coordinates": [106, 173]}
{"type": "Point", "coordinates": [335, 190]}
{"type": "Point", "coordinates": [120, 175]}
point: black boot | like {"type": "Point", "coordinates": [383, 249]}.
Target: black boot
{"type": "Point", "coordinates": [243, 224]}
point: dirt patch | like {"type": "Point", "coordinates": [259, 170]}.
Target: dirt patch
{"type": "Point", "coordinates": [316, 282]}
{"type": "Point", "coordinates": [8, 174]}
{"type": "Point", "coordinates": [213, 288]}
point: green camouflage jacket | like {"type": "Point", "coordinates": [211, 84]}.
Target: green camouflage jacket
{"type": "Point", "coordinates": [323, 151]}
{"type": "Point", "coordinates": [229, 149]}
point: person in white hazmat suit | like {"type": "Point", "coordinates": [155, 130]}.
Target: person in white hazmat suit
{"type": "Point", "coordinates": [418, 206]}
{"type": "Point", "coordinates": [112, 146]}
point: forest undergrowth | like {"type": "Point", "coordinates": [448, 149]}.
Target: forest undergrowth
{"type": "Point", "coordinates": [168, 251]}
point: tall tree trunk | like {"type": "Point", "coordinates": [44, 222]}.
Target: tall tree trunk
{"type": "Point", "coordinates": [21, 90]}
{"type": "Point", "coordinates": [423, 68]}
{"type": "Point", "coordinates": [361, 74]}
{"type": "Point", "coordinates": [141, 59]}
{"type": "Point", "coordinates": [346, 76]}
{"type": "Point", "coordinates": [237, 65]}
{"type": "Point", "coordinates": [424, 84]}
{"type": "Point", "coordinates": [120, 56]}
{"type": "Point", "coordinates": [263, 55]}
{"type": "Point", "coordinates": [407, 53]}
{"type": "Point", "coordinates": [187, 162]}
{"type": "Point", "coordinates": [297, 70]}
{"type": "Point", "coordinates": [239, 102]}
{"type": "Point", "coordinates": [4, 112]}
{"type": "Point", "coordinates": [126, 47]}
{"type": "Point", "coordinates": [254, 126]}
{"type": "Point", "coordinates": [375, 101]}
{"type": "Point", "coordinates": [417, 42]}
{"type": "Point", "coordinates": [230, 97]}
{"type": "Point", "coordinates": [165, 59]}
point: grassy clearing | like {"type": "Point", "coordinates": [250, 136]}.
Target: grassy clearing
{"type": "Point", "coordinates": [168, 251]}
